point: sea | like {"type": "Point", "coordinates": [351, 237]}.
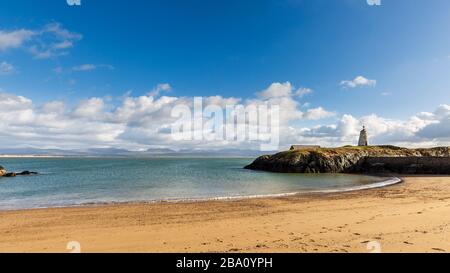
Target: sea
{"type": "Point", "coordinates": [69, 181]}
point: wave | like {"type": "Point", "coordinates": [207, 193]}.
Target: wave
{"type": "Point", "coordinates": [389, 182]}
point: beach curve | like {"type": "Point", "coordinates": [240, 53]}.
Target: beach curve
{"type": "Point", "coordinates": [407, 217]}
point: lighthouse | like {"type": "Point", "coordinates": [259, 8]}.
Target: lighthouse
{"type": "Point", "coordinates": [363, 138]}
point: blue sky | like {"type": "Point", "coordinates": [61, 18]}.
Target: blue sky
{"type": "Point", "coordinates": [235, 49]}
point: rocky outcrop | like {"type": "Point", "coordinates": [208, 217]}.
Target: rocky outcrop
{"type": "Point", "coordinates": [3, 173]}
{"type": "Point", "coordinates": [357, 160]}
{"type": "Point", "coordinates": [406, 165]}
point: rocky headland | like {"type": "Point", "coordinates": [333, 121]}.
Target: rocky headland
{"type": "Point", "coordinates": [350, 159]}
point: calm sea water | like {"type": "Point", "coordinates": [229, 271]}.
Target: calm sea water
{"type": "Point", "coordinates": [77, 181]}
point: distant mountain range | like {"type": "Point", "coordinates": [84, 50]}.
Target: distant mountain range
{"type": "Point", "coordinates": [123, 152]}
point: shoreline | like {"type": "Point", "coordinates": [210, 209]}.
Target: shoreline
{"type": "Point", "coordinates": [413, 216]}
{"type": "Point", "coordinates": [391, 180]}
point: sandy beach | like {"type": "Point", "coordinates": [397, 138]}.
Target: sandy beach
{"type": "Point", "coordinates": [410, 217]}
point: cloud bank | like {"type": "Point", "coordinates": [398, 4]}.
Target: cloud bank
{"type": "Point", "coordinates": [141, 122]}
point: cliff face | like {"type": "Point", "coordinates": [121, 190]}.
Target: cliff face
{"type": "Point", "coordinates": [355, 160]}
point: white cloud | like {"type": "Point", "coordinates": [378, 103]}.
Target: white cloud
{"type": "Point", "coordinates": [318, 113]}
{"type": "Point", "coordinates": [162, 87]}
{"type": "Point", "coordinates": [358, 82]}
{"type": "Point", "coordinates": [84, 67]}
{"type": "Point", "coordinates": [439, 127]}
{"type": "Point", "coordinates": [90, 108]}
{"type": "Point", "coordinates": [14, 39]}
{"type": "Point", "coordinates": [277, 90]}
{"type": "Point", "coordinates": [303, 92]}
{"type": "Point", "coordinates": [90, 67]}
{"type": "Point", "coordinates": [56, 107]}
{"type": "Point", "coordinates": [443, 111]}
{"type": "Point", "coordinates": [63, 45]}
{"type": "Point", "coordinates": [54, 40]}
{"type": "Point", "coordinates": [285, 96]}
{"type": "Point", "coordinates": [6, 68]}
{"type": "Point", "coordinates": [50, 41]}
{"type": "Point", "coordinates": [10, 102]}
{"type": "Point", "coordinates": [306, 105]}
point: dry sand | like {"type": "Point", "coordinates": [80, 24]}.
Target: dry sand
{"type": "Point", "coordinates": [410, 217]}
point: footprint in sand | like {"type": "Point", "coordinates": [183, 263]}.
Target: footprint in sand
{"type": "Point", "coordinates": [438, 249]}
{"type": "Point", "coordinates": [418, 231]}
{"type": "Point", "coordinates": [261, 246]}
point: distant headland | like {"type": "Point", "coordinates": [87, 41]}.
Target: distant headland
{"type": "Point", "coordinates": [356, 159]}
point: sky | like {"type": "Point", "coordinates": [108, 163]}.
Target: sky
{"type": "Point", "coordinates": [108, 73]}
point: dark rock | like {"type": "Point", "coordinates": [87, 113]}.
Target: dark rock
{"type": "Point", "coordinates": [10, 175]}
{"type": "Point", "coordinates": [27, 173]}
{"type": "Point", "coordinates": [13, 174]}
{"type": "Point", "coordinates": [406, 165]}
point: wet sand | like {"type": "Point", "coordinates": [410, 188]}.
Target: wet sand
{"type": "Point", "coordinates": [410, 217]}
